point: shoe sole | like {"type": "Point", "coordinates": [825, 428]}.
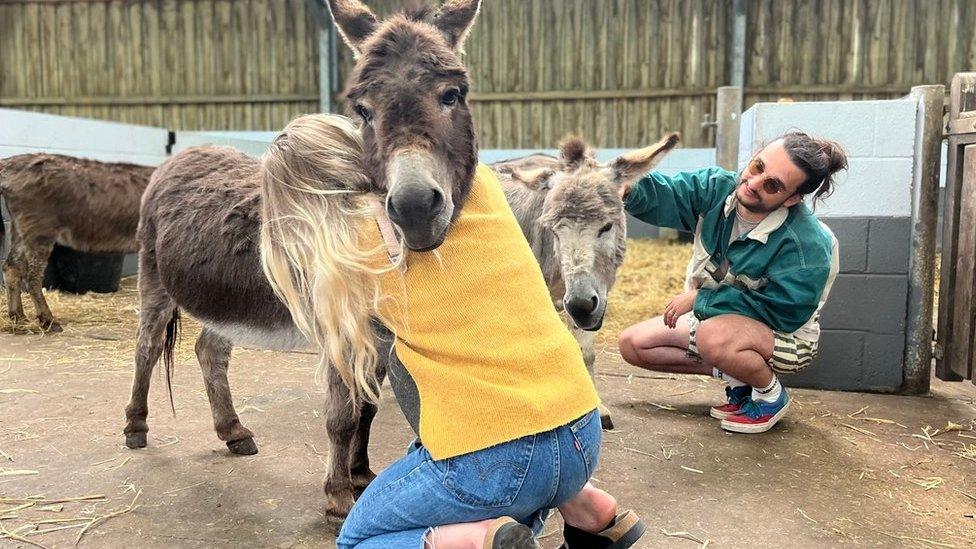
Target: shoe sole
{"type": "Point", "coordinates": [755, 428]}
{"type": "Point", "coordinates": [505, 533]}
{"type": "Point", "coordinates": [719, 415]}
{"type": "Point", "coordinates": [631, 537]}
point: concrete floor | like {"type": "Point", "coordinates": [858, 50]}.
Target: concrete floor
{"type": "Point", "coordinates": [826, 476]}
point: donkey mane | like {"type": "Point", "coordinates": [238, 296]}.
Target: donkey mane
{"type": "Point", "coordinates": [590, 198]}
{"type": "Point", "coordinates": [574, 152]}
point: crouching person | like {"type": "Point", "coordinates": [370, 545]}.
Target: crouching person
{"type": "Point", "coordinates": [495, 386]}
{"type": "Point", "coordinates": [760, 272]}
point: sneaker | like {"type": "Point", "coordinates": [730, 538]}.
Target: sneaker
{"type": "Point", "coordinates": [623, 532]}
{"type": "Point", "coordinates": [737, 397]}
{"type": "Point", "coordinates": [505, 533]}
{"type": "Point", "coordinates": [756, 416]}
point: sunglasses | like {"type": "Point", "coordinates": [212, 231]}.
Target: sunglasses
{"type": "Point", "coordinates": [770, 184]}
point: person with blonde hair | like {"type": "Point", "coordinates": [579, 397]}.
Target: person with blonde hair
{"type": "Point", "coordinates": [504, 408]}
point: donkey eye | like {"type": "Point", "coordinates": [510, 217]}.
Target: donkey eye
{"type": "Point", "coordinates": [605, 229]}
{"type": "Point", "coordinates": [451, 97]}
{"type": "Point", "coordinates": [364, 113]}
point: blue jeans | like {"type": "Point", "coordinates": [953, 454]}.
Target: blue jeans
{"type": "Point", "coordinates": [523, 479]}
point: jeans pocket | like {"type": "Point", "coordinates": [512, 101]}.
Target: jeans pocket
{"type": "Point", "coordinates": [491, 477]}
{"type": "Point", "coordinates": [588, 435]}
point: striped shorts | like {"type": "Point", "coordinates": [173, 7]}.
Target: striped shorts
{"type": "Point", "coordinates": [790, 353]}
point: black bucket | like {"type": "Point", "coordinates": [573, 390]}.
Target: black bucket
{"type": "Point", "coordinates": [77, 272]}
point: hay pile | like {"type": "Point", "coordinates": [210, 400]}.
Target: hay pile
{"type": "Point", "coordinates": [108, 321]}
{"type": "Point", "coordinates": [653, 273]}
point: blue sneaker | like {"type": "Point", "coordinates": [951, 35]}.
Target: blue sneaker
{"type": "Point", "coordinates": [756, 416]}
{"type": "Point", "coordinates": [737, 397]}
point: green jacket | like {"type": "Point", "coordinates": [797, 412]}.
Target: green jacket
{"type": "Point", "coordinates": [779, 273]}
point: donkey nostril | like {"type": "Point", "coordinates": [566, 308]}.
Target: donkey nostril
{"type": "Point", "coordinates": [391, 208]}
{"type": "Point", "coordinates": [436, 201]}
{"type": "Point", "coordinates": [594, 301]}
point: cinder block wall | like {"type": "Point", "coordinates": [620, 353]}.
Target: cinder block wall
{"type": "Point", "coordinates": [863, 343]}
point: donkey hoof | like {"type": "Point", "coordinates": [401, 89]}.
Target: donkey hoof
{"type": "Point", "coordinates": [606, 422]}
{"type": "Point", "coordinates": [52, 327]}
{"type": "Point", "coordinates": [243, 447]}
{"type": "Point", "coordinates": [338, 505]}
{"type": "Point", "coordinates": [135, 440]}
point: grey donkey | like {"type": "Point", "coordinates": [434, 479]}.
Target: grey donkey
{"type": "Point", "coordinates": [571, 213]}
{"type": "Point", "coordinates": [84, 204]}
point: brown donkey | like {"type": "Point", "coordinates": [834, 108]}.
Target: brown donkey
{"type": "Point", "coordinates": [204, 210]}
{"type": "Point", "coordinates": [84, 204]}
{"type": "Point", "coordinates": [571, 214]}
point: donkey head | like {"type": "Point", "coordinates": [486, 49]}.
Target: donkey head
{"type": "Point", "coordinates": [584, 213]}
{"type": "Point", "coordinates": [410, 89]}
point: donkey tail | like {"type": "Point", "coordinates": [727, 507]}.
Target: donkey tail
{"type": "Point", "coordinates": [3, 231]}
{"type": "Point", "coordinates": [169, 345]}
{"type": "Point", "coordinates": [3, 226]}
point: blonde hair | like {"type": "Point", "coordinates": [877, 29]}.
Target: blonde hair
{"type": "Point", "coordinates": [315, 198]}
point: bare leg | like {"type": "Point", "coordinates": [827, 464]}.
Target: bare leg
{"type": "Point", "coordinates": [654, 346]}
{"type": "Point", "coordinates": [156, 310]}
{"type": "Point", "coordinates": [341, 422]}
{"type": "Point", "coordinates": [466, 535]}
{"type": "Point", "coordinates": [738, 346]}
{"type": "Point", "coordinates": [590, 510]}
{"type": "Point", "coordinates": [37, 253]}
{"type": "Point", "coordinates": [213, 353]}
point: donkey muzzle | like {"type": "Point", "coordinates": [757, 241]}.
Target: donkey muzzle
{"type": "Point", "coordinates": [417, 203]}
{"type": "Point", "coordinates": [584, 305]}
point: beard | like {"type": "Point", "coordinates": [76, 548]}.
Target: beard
{"type": "Point", "coordinates": [753, 204]}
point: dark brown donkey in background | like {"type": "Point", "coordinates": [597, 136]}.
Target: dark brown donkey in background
{"type": "Point", "coordinates": [83, 204]}
{"type": "Point", "coordinates": [202, 215]}
{"type": "Point", "coordinates": [571, 214]}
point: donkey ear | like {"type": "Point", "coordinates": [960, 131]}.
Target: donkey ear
{"type": "Point", "coordinates": [455, 19]}
{"type": "Point", "coordinates": [536, 179]}
{"type": "Point", "coordinates": [635, 164]}
{"type": "Point", "coordinates": [354, 21]}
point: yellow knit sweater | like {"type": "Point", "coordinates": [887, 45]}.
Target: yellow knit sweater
{"type": "Point", "coordinates": [478, 333]}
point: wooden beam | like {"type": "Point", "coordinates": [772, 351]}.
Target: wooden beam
{"type": "Point", "coordinates": [154, 100]}
{"type": "Point", "coordinates": [499, 97]}
{"type": "Point", "coordinates": [917, 365]}
{"type": "Point", "coordinates": [729, 110]}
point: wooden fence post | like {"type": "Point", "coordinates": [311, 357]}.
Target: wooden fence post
{"type": "Point", "coordinates": [728, 108]}
{"type": "Point", "coordinates": [954, 347]}
{"type": "Point", "coordinates": [917, 365]}
{"type": "Point", "coordinates": [327, 53]}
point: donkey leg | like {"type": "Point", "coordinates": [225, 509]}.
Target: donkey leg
{"type": "Point", "coordinates": [587, 342]}
{"type": "Point", "coordinates": [341, 421]}
{"type": "Point", "coordinates": [156, 310]}
{"type": "Point", "coordinates": [213, 353]}
{"type": "Point", "coordinates": [13, 277]}
{"type": "Point", "coordinates": [359, 470]}
{"type": "Point", "coordinates": [37, 252]}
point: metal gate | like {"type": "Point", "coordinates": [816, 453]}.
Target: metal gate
{"type": "Point", "coordinates": [955, 351]}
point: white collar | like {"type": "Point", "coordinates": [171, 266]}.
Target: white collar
{"type": "Point", "coordinates": [767, 226]}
